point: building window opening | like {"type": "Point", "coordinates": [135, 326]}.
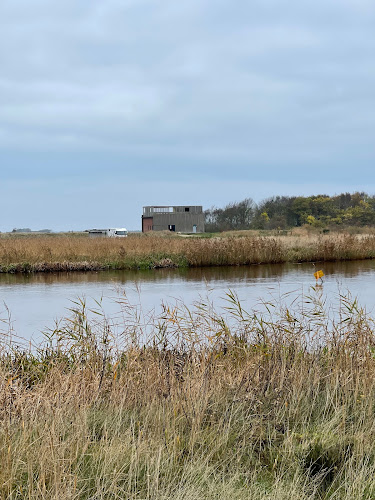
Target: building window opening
{"type": "Point", "coordinates": [187, 209]}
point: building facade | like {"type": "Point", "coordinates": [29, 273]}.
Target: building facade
{"type": "Point", "coordinates": [181, 219]}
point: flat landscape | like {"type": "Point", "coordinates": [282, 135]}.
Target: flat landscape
{"type": "Point", "coordinates": [40, 253]}
{"type": "Point", "coordinates": [203, 405]}
{"type": "Point", "coordinates": [187, 250]}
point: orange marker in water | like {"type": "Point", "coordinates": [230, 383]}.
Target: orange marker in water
{"type": "Point", "coordinates": [319, 274]}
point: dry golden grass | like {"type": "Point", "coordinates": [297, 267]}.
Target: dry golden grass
{"type": "Point", "coordinates": [201, 407]}
{"type": "Point", "coordinates": [46, 253]}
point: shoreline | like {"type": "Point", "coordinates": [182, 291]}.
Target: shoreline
{"type": "Point", "coordinates": [75, 254]}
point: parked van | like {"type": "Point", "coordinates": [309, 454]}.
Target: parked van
{"type": "Point", "coordinates": [117, 232]}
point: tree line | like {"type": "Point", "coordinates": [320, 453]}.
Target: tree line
{"type": "Point", "coordinates": [286, 212]}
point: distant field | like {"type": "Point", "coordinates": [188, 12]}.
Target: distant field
{"type": "Point", "coordinates": [70, 252]}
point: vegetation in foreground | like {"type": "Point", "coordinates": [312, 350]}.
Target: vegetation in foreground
{"type": "Point", "coordinates": [191, 405]}
{"type": "Point", "coordinates": [76, 253]}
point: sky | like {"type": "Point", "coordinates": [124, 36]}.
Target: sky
{"type": "Point", "coordinates": [107, 106]}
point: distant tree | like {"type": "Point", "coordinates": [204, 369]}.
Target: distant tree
{"type": "Point", "coordinates": [282, 212]}
{"type": "Point", "coordinates": [234, 216]}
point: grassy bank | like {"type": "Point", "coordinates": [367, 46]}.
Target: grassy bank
{"type": "Point", "coordinates": [201, 407]}
{"type": "Point", "coordinates": [67, 253]}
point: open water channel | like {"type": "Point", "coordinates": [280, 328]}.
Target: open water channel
{"type": "Point", "coordinates": [30, 304]}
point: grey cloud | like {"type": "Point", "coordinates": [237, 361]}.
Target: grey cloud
{"type": "Point", "coordinates": [247, 89]}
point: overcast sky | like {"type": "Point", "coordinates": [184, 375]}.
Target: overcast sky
{"type": "Point", "coordinates": [106, 106]}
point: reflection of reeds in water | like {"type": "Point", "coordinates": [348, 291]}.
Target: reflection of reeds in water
{"type": "Point", "coordinates": [64, 253]}
{"type": "Point", "coordinates": [191, 404]}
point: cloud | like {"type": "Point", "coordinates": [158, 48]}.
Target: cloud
{"type": "Point", "coordinates": [262, 90]}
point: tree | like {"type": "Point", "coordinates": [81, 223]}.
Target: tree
{"type": "Point", "coordinates": [234, 216]}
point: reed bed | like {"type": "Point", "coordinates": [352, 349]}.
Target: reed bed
{"type": "Point", "coordinates": [192, 404]}
{"type": "Point", "coordinates": [67, 253]}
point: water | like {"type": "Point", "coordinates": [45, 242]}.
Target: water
{"type": "Point", "coordinates": [33, 303]}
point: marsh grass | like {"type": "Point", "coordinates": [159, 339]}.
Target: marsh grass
{"type": "Point", "coordinates": [192, 404]}
{"type": "Point", "coordinates": [76, 253]}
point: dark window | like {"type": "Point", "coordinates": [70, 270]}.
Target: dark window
{"type": "Point", "coordinates": [187, 209]}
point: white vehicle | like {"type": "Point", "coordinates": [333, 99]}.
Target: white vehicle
{"type": "Point", "coordinates": [117, 232]}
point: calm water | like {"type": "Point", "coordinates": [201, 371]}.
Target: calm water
{"type": "Point", "coordinates": [36, 302]}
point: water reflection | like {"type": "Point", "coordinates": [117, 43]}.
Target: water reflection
{"type": "Point", "coordinates": [241, 273]}
{"type": "Point", "coordinates": [35, 301]}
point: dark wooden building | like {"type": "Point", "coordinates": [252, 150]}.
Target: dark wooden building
{"type": "Point", "coordinates": [182, 219]}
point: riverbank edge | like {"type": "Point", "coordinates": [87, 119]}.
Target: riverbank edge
{"type": "Point", "coordinates": [73, 254]}
{"type": "Point", "coordinates": [155, 262]}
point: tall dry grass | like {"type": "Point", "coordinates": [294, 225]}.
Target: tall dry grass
{"type": "Point", "coordinates": [59, 253]}
{"type": "Point", "coordinates": [191, 404]}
